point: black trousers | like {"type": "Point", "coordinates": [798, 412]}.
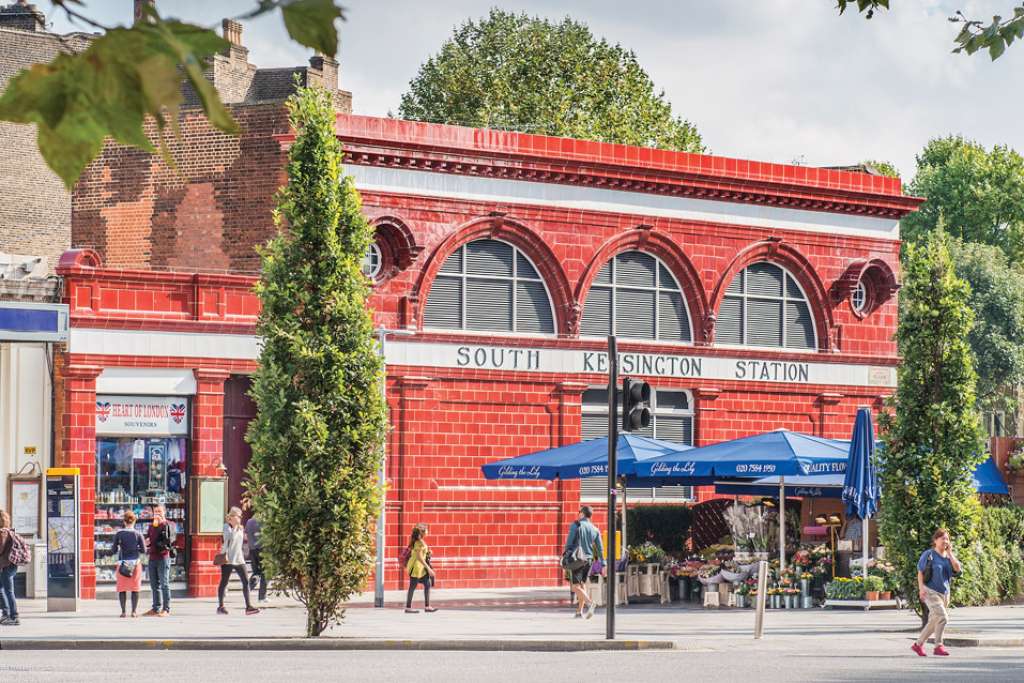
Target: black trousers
{"type": "Point", "coordinates": [225, 574]}
{"type": "Point", "coordinates": [256, 556]}
{"type": "Point", "coordinates": [413, 581]}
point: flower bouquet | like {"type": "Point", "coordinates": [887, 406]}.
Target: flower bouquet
{"type": "Point", "coordinates": [732, 572]}
{"type": "Point", "coordinates": [710, 573]}
{"type": "Point", "coordinates": [647, 553]}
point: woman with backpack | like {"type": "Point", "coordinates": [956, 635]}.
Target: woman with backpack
{"type": "Point", "coordinates": [936, 567]}
{"type": "Point", "coordinates": [130, 546]}
{"type": "Point", "coordinates": [9, 614]}
{"type": "Point", "coordinates": [419, 569]}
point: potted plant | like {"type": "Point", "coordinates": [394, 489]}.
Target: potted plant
{"type": "Point", "coordinates": [872, 587]}
{"type": "Point", "coordinates": [1015, 463]}
{"type": "Point", "coordinates": [805, 584]}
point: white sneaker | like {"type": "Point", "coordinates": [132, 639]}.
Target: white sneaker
{"type": "Point", "coordinates": [591, 607]}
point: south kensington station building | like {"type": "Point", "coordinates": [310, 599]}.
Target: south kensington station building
{"type": "Point", "coordinates": [752, 296]}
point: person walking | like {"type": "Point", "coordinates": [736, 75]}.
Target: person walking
{"type": "Point", "coordinates": [419, 569]}
{"type": "Point", "coordinates": [161, 543]}
{"type": "Point", "coordinates": [936, 567]}
{"type": "Point", "coordinates": [233, 561]}
{"type": "Point", "coordinates": [253, 528]}
{"type": "Point", "coordinates": [581, 547]}
{"type": "Point", "coordinates": [8, 605]}
{"type": "Point", "coordinates": [130, 546]}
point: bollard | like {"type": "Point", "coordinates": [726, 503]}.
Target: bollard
{"type": "Point", "coordinates": [762, 587]}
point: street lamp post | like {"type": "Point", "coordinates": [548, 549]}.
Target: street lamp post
{"type": "Point", "coordinates": [382, 473]}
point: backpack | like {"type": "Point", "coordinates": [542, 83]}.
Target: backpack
{"type": "Point", "coordinates": [19, 553]}
{"type": "Point", "coordinates": [404, 556]}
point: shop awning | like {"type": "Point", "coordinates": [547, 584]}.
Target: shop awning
{"type": "Point", "coordinates": [585, 459]}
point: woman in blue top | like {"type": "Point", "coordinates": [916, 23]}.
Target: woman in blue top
{"type": "Point", "coordinates": [934, 592]}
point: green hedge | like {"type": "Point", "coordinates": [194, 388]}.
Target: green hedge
{"type": "Point", "coordinates": [666, 525]}
{"type": "Point", "coordinates": [997, 572]}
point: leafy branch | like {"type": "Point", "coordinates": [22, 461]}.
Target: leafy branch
{"type": "Point", "coordinates": [975, 35]}
{"type": "Point", "coordinates": [131, 73]}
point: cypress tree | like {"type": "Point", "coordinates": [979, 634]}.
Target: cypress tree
{"type": "Point", "coordinates": [317, 437]}
{"type": "Point", "coordinates": [932, 438]}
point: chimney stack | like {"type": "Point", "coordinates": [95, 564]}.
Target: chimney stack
{"type": "Point", "coordinates": [22, 16]}
{"type": "Point", "coordinates": [328, 68]}
{"type": "Point", "coordinates": [140, 6]}
{"type": "Point", "coordinates": [232, 32]}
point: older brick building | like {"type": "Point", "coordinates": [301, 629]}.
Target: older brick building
{"type": "Point", "coordinates": [751, 295]}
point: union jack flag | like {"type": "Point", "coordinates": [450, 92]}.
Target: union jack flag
{"type": "Point", "coordinates": [178, 412]}
{"type": "Point", "coordinates": [102, 410]}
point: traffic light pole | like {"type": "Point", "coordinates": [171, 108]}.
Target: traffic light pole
{"type": "Point", "coordinates": [611, 582]}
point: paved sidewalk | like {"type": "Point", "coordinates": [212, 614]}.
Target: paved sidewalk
{"type": "Point", "coordinates": [506, 619]}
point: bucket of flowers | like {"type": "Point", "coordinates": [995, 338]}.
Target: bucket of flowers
{"type": "Point", "coordinates": [802, 559]}
{"type": "Point", "coordinates": [792, 596]}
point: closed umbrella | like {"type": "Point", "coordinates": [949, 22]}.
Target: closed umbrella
{"type": "Point", "coordinates": [860, 487]}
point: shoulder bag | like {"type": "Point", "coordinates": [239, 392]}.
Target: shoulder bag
{"type": "Point", "coordinates": [928, 569]}
{"type": "Point", "coordinates": [573, 559]}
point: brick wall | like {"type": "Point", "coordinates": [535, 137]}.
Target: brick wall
{"type": "Point", "coordinates": [206, 214]}
{"type": "Point", "coordinates": [35, 208]}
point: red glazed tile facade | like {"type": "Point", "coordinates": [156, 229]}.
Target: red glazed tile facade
{"type": "Point", "coordinates": [569, 206]}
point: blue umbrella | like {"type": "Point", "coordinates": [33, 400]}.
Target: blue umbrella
{"type": "Point", "coordinates": [860, 487]}
{"type": "Point", "coordinates": [780, 452]}
{"type": "Point", "coordinates": [987, 479]}
{"type": "Point", "coordinates": [584, 459]}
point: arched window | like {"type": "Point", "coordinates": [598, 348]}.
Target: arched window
{"type": "Point", "coordinates": [490, 286]}
{"type": "Point", "coordinates": [765, 306]}
{"type": "Point", "coordinates": [635, 295]}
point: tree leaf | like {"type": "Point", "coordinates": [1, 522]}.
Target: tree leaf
{"type": "Point", "coordinates": [311, 23]}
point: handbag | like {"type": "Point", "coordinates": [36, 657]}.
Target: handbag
{"type": "Point", "coordinates": [928, 569]}
{"type": "Point", "coordinates": [220, 559]}
{"type": "Point", "coordinates": [574, 559]}
{"type": "Point", "coordinates": [126, 568]}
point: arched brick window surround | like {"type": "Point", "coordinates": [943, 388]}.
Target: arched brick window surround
{"type": "Point", "coordinates": [877, 275]}
{"type": "Point", "coordinates": [519, 236]}
{"type": "Point", "coordinates": [781, 254]}
{"type": "Point", "coordinates": [657, 244]}
{"type": "Point", "coordinates": [398, 245]}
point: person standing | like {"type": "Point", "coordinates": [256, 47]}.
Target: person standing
{"type": "Point", "coordinates": [130, 547]}
{"type": "Point", "coordinates": [161, 543]}
{"type": "Point", "coordinates": [9, 613]}
{"type": "Point", "coordinates": [936, 567]}
{"type": "Point", "coordinates": [234, 561]}
{"type": "Point", "coordinates": [581, 547]}
{"type": "Point", "coordinates": [419, 569]}
{"type": "Point", "coordinates": [252, 532]}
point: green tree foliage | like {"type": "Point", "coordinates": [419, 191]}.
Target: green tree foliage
{"type": "Point", "coordinates": [131, 73]}
{"type": "Point", "coordinates": [932, 437]}
{"type": "Point", "coordinates": [317, 438]}
{"type": "Point", "coordinates": [883, 167]}
{"type": "Point", "coordinates": [975, 35]}
{"type": "Point", "coordinates": [978, 193]}
{"type": "Point", "coordinates": [515, 72]}
{"type": "Point", "coordinates": [997, 337]}
{"type": "Point", "coordinates": [1000, 570]}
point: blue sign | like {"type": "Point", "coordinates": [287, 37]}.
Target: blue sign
{"type": "Point", "coordinates": [33, 322]}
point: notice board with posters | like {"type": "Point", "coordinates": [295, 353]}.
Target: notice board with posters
{"type": "Point", "coordinates": [23, 498]}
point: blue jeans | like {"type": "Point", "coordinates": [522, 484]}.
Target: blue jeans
{"type": "Point", "coordinates": [159, 583]}
{"type": "Point", "coordinates": [7, 590]}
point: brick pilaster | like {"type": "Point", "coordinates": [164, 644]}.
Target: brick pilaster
{"type": "Point", "coordinates": [78, 449]}
{"type": "Point", "coordinates": [207, 461]}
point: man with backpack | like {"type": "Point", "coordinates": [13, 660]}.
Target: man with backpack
{"type": "Point", "coordinates": [161, 537]}
{"type": "Point", "coordinates": [582, 547]}
{"type": "Point", "coordinates": [13, 552]}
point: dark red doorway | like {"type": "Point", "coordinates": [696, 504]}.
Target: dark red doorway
{"type": "Point", "coordinates": [239, 410]}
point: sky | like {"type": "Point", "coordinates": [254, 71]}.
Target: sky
{"type": "Point", "coordinates": [773, 80]}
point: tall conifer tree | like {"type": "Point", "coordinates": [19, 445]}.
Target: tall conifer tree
{"type": "Point", "coordinates": [932, 439]}
{"type": "Point", "coordinates": [317, 437]}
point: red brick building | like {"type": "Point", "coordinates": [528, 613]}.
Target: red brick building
{"type": "Point", "coordinates": [752, 296]}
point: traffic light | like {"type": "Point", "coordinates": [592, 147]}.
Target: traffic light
{"type": "Point", "coordinates": [636, 405]}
